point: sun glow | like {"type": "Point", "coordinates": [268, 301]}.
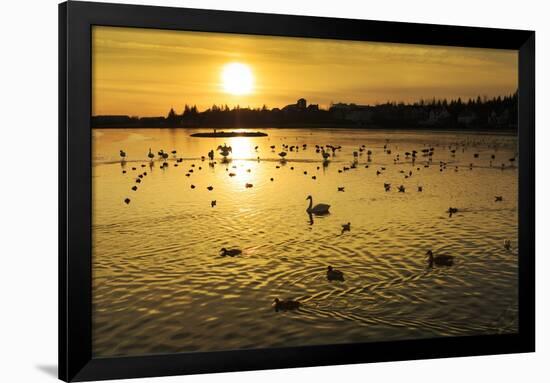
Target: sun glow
{"type": "Point", "coordinates": [237, 79]}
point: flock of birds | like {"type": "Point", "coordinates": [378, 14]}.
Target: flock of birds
{"type": "Point", "coordinates": [417, 159]}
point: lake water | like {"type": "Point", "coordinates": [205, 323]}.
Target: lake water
{"type": "Point", "coordinates": [161, 286]}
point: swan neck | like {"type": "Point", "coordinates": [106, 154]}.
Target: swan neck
{"type": "Point", "coordinates": [310, 203]}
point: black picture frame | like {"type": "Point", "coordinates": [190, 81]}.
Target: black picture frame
{"type": "Point", "coordinates": [75, 194]}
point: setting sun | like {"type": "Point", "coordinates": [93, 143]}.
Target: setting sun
{"type": "Point", "coordinates": [237, 79]}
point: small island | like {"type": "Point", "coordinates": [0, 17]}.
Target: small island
{"type": "Point", "coordinates": [229, 134]}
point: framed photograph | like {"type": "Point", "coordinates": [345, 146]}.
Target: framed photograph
{"type": "Point", "coordinates": [246, 191]}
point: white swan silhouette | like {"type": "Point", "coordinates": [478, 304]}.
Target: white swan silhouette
{"type": "Point", "coordinates": [319, 209]}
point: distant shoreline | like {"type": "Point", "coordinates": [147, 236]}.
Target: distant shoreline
{"type": "Point", "coordinates": [223, 134]}
{"type": "Point", "coordinates": [511, 131]}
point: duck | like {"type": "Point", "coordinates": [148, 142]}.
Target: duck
{"type": "Point", "coordinates": [346, 227]}
{"type": "Point", "coordinates": [334, 275]}
{"type": "Point", "coordinates": [507, 244]}
{"type": "Point", "coordinates": [134, 188]}
{"type": "Point", "coordinates": [401, 189]}
{"type": "Point", "coordinates": [247, 185]}
{"type": "Point", "coordinates": [341, 188]}
{"type": "Point", "coordinates": [318, 209]}
{"type": "Point", "coordinates": [213, 203]}
{"type": "Point", "coordinates": [127, 201]}
{"type": "Point", "coordinates": [439, 260]}
{"type": "Point", "coordinates": [285, 305]}
{"type": "Point", "coordinates": [210, 188]}
{"type": "Point", "coordinates": [498, 198]}
{"type": "Point", "coordinates": [122, 154]}
{"type": "Point", "coordinates": [230, 252]}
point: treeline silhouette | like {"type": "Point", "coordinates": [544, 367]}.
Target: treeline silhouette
{"type": "Point", "coordinates": [476, 114]}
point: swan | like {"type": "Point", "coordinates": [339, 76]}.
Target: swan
{"type": "Point", "coordinates": [230, 252]}
{"type": "Point", "coordinates": [285, 304]}
{"type": "Point", "coordinates": [318, 209]}
{"type": "Point", "coordinates": [150, 155]}
{"type": "Point", "coordinates": [451, 211]}
{"type": "Point", "coordinates": [439, 260]}
{"type": "Point", "coordinates": [334, 275]}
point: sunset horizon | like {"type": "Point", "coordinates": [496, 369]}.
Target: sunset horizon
{"type": "Point", "coordinates": [169, 69]}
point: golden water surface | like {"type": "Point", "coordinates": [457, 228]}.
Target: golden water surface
{"type": "Point", "coordinates": [161, 286]}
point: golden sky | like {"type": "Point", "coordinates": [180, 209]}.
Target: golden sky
{"type": "Point", "coordinates": [144, 72]}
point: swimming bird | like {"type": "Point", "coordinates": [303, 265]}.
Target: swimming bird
{"type": "Point", "coordinates": [346, 227]}
{"type": "Point", "coordinates": [341, 188]}
{"type": "Point", "coordinates": [211, 154]}
{"type": "Point", "coordinates": [318, 209]}
{"type": "Point", "coordinates": [334, 275]}
{"type": "Point", "coordinates": [232, 174]}
{"type": "Point", "coordinates": [282, 155]}
{"type": "Point", "coordinates": [507, 244]}
{"type": "Point", "coordinates": [122, 154]}
{"type": "Point", "coordinates": [213, 203]}
{"type": "Point", "coordinates": [439, 260]}
{"type": "Point", "coordinates": [387, 187]}
{"type": "Point", "coordinates": [498, 198]}
{"type": "Point", "coordinates": [401, 189]}
{"type": "Point", "coordinates": [124, 172]}
{"type": "Point", "coordinates": [420, 188]}
{"type": "Point", "coordinates": [451, 211]}
{"type": "Point", "coordinates": [285, 305]}
{"type": "Point", "coordinates": [210, 188]}
{"type": "Point", "coordinates": [271, 179]}
{"type": "Point", "coordinates": [230, 252]}
{"type": "Point", "coordinates": [247, 185]}
{"type": "Point", "coordinates": [134, 188]}
{"type": "Point", "coordinates": [313, 177]}
{"type": "Point", "coordinates": [192, 186]}
{"type": "Point", "coordinates": [127, 201]}
{"type": "Point", "coordinates": [150, 154]}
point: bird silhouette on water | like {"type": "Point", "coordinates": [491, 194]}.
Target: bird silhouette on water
{"type": "Point", "coordinates": [334, 275]}
{"type": "Point", "coordinates": [439, 260]}
{"type": "Point", "coordinates": [346, 227]}
{"type": "Point", "coordinates": [230, 252]}
{"type": "Point", "coordinates": [285, 305]}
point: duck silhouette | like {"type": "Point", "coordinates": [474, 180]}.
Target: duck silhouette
{"type": "Point", "coordinates": [285, 305]}
{"type": "Point", "coordinates": [230, 252]}
{"type": "Point", "coordinates": [439, 260]}
{"type": "Point", "coordinates": [346, 227]}
{"type": "Point", "coordinates": [334, 275]}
